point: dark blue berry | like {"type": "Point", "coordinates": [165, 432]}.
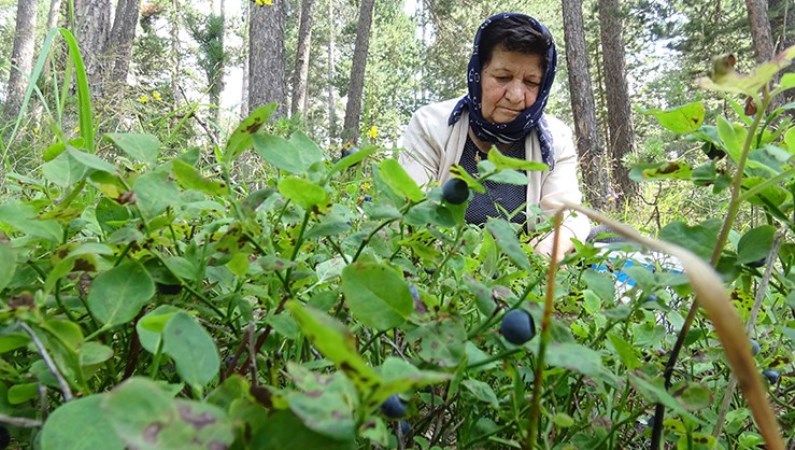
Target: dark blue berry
{"type": "Point", "coordinates": [393, 407]}
{"type": "Point", "coordinates": [772, 375]}
{"type": "Point", "coordinates": [455, 191]}
{"type": "Point", "coordinates": [517, 326]}
{"type": "Point", "coordinates": [405, 428]}
{"type": "Point", "coordinates": [754, 347]}
{"type": "Point", "coordinates": [367, 198]}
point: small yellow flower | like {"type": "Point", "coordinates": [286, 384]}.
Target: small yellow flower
{"type": "Point", "coordinates": [263, 2]}
{"type": "Point", "coordinates": [373, 132]}
{"type": "Point", "coordinates": [143, 99]}
{"type": "Point", "coordinates": [365, 186]}
{"type": "Point", "coordinates": [156, 96]}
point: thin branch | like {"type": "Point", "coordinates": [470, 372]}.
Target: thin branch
{"type": "Point", "coordinates": [67, 392]}
{"type": "Point", "coordinates": [23, 422]}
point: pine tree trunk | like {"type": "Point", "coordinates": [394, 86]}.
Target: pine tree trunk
{"type": "Point", "coordinates": [92, 28]}
{"type": "Point", "coordinates": [21, 57]}
{"type": "Point", "coordinates": [332, 110]}
{"type": "Point", "coordinates": [760, 30]}
{"type": "Point", "coordinates": [782, 28]}
{"type": "Point", "coordinates": [353, 109]}
{"type": "Point", "coordinates": [266, 57]}
{"type": "Point", "coordinates": [619, 113]}
{"type": "Point", "coordinates": [595, 173]}
{"type": "Point", "coordinates": [118, 49]}
{"type": "Point", "coordinates": [301, 73]}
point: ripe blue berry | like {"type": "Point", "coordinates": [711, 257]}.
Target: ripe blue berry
{"type": "Point", "coordinates": [771, 375]}
{"type": "Point", "coordinates": [455, 191]}
{"type": "Point", "coordinates": [517, 326]}
{"type": "Point", "coordinates": [754, 347]}
{"type": "Point", "coordinates": [367, 197]}
{"type": "Point", "coordinates": [405, 428]}
{"type": "Point", "coordinates": [393, 407]}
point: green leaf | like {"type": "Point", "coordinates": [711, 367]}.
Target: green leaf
{"type": "Point", "coordinates": [693, 396]}
{"type": "Point", "coordinates": [80, 425]}
{"type": "Point", "coordinates": [653, 391]}
{"type": "Point", "coordinates": [325, 403]}
{"type": "Point", "coordinates": [376, 295]}
{"type": "Point", "coordinates": [118, 295]}
{"type": "Point", "coordinates": [399, 182]}
{"type": "Point", "coordinates": [94, 353]}
{"type": "Point", "coordinates": [9, 264]}
{"type": "Point", "coordinates": [154, 192]}
{"type": "Point", "coordinates": [574, 357]}
{"type": "Point", "coordinates": [192, 349]}
{"type": "Point", "coordinates": [91, 161]}
{"type": "Point", "coordinates": [145, 416]}
{"type": "Point", "coordinates": [64, 170]}
{"type": "Point", "coordinates": [442, 343]}
{"type": "Point", "coordinates": [460, 172]}
{"type": "Point", "coordinates": [481, 391]}
{"type": "Point", "coordinates": [732, 136]}
{"type": "Point", "coordinates": [601, 283]}
{"type": "Point", "coordinates": [23, 218]}
{"type": "Point", "coordinates": [13, 341]}
{"type": "Point", "coordinates": [506, 239]}
{"type": "Point", "coordinates": [283, 430]}
{"type": "Point", "coordinates": [354, 158]}
{"type": "Point", "coordinates": [755, 244]}
{"type": "Point", "coordinates": [751, 82]}
{"type": "Point", "coordinates": [21, 393]}
{"type": "Point", "coordinates": [303, 192]}
{"type": "Point", "coordinates": [190, 178]}
{"type": "Point", "coordinates": [336, 343]}
{"type": "Point", "coordinates": [625, 351]}
{"type": "Point", "coordinates": [241, 138]}
{"type": "Point", "coordinates": [150, 327]}
{"type": "Point", "coordinates": [502, 161]}
{"type": "Point", "coordinates": [563, 420]}
{"type": "Point", "coordinates": [667, 170]}
{"type": "Point", "coordinates": [699, 239]}
{"type": "Point", "coordinates": [401, 376]}
{"type": "Point", "coordinates": [139, 146]}
{"type": "Point", "coordinates": [294, 156]}
{"type": "Point", "coordinates": [682, 119]}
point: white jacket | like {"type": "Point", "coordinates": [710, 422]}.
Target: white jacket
{"type": "Point", "coordinates": [432, 147]}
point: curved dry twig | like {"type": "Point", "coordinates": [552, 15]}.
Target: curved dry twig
{"type": "Point", "coordinates": [65, 389]}
{"type": "Point", "coordinates": [712, 296]}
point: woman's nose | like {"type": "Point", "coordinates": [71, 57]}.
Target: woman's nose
{"type": "Point", "coordinates": [514, 92]}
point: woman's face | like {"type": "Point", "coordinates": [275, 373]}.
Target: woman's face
{"type": "Point", "coordinates": [510, 83]}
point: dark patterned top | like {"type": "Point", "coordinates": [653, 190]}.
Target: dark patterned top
{"type": "Point", "coordinates": [508, 197]}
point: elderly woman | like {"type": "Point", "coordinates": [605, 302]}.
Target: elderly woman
{"type": "Point", "coordinates": [510, 75]}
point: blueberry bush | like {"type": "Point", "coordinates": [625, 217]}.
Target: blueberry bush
{"type": "Point", "coordinates": [160, 301]}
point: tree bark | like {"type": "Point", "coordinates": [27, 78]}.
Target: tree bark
{"type": "Point", "coordinates": [332, 108]}
{"type": "Point", "coordinates": [621, 136]}
{"type": "Point", "coordinates": [92, 27]}
{"type": "Point", "coordinates": [781, 28]}
{"type": "Point", "coordinates": [118, 48]}
{"type": "Point", "coordinates": [595, 173]}
{"type": "Point", "coordinates": [266, 57]}
{"type": "Point", "coordinates": [760, 30]}
{"type": "Point", "coordinates": [301, 73]}
{"type": "Point", "coordinates": [353, 109]}
{"type": "Point", "coordinates": [21, 57]}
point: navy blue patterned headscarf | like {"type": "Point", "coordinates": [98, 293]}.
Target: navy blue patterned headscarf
{"type": "Point", "coordinates": [530, 119]}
